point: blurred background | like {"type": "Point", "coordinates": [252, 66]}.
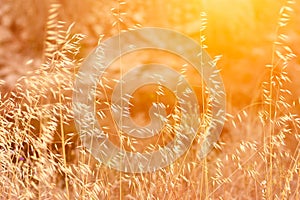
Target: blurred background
{"type": "Point", "coordinates": [242, 32]}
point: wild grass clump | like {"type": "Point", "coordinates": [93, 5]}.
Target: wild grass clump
{"type": "Point", "coordinates": [41, 156]}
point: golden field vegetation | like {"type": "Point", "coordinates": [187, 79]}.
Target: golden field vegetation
{"type": "Point", "coordinates": [42, 45]}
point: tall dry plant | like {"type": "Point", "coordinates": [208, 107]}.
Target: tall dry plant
{"type": "Point", "coordinates": [34, 117]}
{"type": "Point", "coordinates": [42, 158]}
{"type": "Point", "coordinates": [281, 122]}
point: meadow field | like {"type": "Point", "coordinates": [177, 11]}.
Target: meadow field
{"type": "Point", "coordinates": [255, 45]}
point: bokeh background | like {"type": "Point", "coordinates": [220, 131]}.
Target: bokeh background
{"type": "Point", "coordinates": [258, 152]}
{"type": "Point", "coordinates": [241, 31]}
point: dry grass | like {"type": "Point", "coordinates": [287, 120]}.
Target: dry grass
{"type": "Point", "coordinates": [257, 156]}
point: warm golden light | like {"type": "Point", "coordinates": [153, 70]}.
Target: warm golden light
{"type": "Point", "coordinates": [254, 47]}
